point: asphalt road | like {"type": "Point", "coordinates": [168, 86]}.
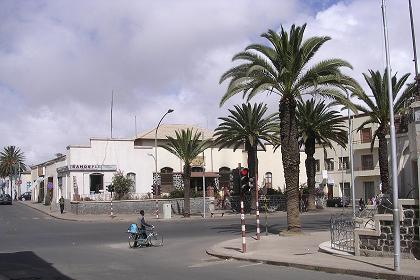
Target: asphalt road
{"type": "Point", "coordinates": [37, 246]}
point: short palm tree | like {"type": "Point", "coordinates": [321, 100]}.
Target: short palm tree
{"type": "Point", "coordinates": [282, 68]}
{"type": "Point", "coordinates": [377, 109]}
{"type": "Point", "coordinates": [247, 126]}
{"type": "Point", "coordinates": [11, 163]}
{"type": "Point", "coordinates": [187, 146]}
{"type": "Point", "coordinates": [318, 124]}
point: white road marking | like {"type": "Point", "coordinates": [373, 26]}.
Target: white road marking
{"type": "Point", "coordinates": [251, 264]}
{"type": "Point", "coordinates": [35, 218]}
{"type": "Point", "coordinates": [210, 262]}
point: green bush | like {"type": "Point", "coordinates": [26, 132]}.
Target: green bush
{"type": "Point", "coordinates": [122, 185]}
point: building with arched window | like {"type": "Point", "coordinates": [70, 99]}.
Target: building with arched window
{"type": "Point", "coordinates": [84, 171]}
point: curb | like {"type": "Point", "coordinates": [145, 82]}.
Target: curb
{"type": "Point", "coordinates": [369, 274]}
{"type": "Point", "coordinates": [52, 215]}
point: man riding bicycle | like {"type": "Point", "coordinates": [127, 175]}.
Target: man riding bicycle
{"type": "Point", "coordinates": [143, 225]}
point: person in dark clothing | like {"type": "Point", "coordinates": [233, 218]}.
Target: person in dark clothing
{"type": "Point", "coordinates": [143, 225]}
{"type": "Point", "coordinates": [61, 202]}
{"type": "Point", "coordinates": [361, 204]}
{"type": "Point", "coordinates": [15, 195]}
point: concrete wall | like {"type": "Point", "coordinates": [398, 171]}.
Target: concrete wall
{"type": "Point", "coordinates": [134, 206]}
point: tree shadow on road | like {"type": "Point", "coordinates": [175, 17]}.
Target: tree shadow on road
{"type": "Point", "coordinates": [27, 265]}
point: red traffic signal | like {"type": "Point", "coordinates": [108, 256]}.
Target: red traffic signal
{"type": "Point", "coordinates": [244, 172]}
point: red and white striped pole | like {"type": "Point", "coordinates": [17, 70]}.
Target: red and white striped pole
{"type": "Point", "coordinates": [243, 224]}
{"type": "Point", "coordinates": [257, 206]}
{"type": "Point", "coordinates": [157, 208]}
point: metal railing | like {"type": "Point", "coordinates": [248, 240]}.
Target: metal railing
{"type": "Point", "coordinates": [342, 233]}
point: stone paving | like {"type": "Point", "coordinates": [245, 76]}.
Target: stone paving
{"type": "Point", "coordinates": [302, 251]}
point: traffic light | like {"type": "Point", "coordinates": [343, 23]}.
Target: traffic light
{"type": "Point", "coordinates": [236, 181]}
{"type": "Point", "coordinates": [158, 190]}
{"type": "Point", "coordinates": [244, 180]}
{"type": "Point", "coordinates": [154, 190]}
{"type": "Point", "coordinates": [110, 188]}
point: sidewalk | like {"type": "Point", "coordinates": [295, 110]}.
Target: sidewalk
{"type": "Point", "coordinates": [131, 218]}
{"type": "Point", "coordinates": [301, 251]}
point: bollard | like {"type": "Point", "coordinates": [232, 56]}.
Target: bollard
{"type": "Point", "coordinates": [243, 226]}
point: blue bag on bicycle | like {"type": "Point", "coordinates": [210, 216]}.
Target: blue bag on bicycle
{"type": "Point", "coordinates": [133, 228]}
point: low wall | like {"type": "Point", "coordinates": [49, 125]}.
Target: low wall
{"type": "Point", "coordinates": [381, 242]}
{"type": "Point", "coordinates": [134, 206]}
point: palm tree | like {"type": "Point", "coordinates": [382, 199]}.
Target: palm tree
{"type": "Point", "coordinates": [282, 68]}
{"type": "Point", "coordinates": [247, 126]}
{"type": "Point", "coordinates": [187, 146]}
{"type": "Point", "coordinates": [11, 163]}
{"type": "Point", "coordinates": [317, 124]}
{"type": "Point", "coordinates": [377, 109]}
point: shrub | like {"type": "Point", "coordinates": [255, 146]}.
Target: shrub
{"type": "Point", "coordinates": [122, 185]}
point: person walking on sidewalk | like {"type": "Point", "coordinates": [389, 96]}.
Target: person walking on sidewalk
{"type": "Point", "coordinates": [61, 201]}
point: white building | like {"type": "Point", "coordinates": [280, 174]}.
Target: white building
{"type": "Point", "coordinates": [86, 170]}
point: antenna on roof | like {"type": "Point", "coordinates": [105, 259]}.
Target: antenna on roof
{"type": "Point", "coordinates": [112, 105]}
{"type": "Point", "coordinates": [135, 126]}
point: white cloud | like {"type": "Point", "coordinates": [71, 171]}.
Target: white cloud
{"type": "Point", "coordinates": [62, 59]}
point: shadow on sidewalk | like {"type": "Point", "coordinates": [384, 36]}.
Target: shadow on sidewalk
{"type": "Point", "coordinates": [365, 262]}
{"type": "Point", "coordinates": [27, 265]}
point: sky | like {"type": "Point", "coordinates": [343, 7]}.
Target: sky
{"type": "Point", "coordinates": [60, 61]}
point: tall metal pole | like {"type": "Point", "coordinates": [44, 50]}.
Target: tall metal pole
{"type": "Point", "coordinates": [112, 105]}
{"type": "Point", "coordinates": [156, 169]}
{"type": "Point", "coordinates": [353, 192]}
{"type": "Point", "coordinates": [204, 183]}
{"type": "Point", "coordinates": [413, 38]}
{"type": "Point", "coordinates": [393, 148]}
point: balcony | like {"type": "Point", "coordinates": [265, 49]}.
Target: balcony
{"type": "Point", "coordinates": [360, 145]}
{"type": "Point", "coordinates": [366, 171]}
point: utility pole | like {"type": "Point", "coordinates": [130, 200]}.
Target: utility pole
{"type": "Point", "coordinates": [413, 39]}
{"type": "Point", "coordinates": [396, 216]}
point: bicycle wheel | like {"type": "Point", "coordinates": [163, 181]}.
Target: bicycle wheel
{"type": "Point", "coordinates": [156, 239]}
{"type": "Point", "coordinates": [132, 240]}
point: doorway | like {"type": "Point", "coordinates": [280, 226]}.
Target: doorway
{"type": "Point", "coordinates": [96, 182]}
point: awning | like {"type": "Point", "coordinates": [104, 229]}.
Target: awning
{"type": "Point", "coordinates": [206, 174]}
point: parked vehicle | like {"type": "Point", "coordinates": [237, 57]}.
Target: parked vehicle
{"type": "Point", "coordinates": [5, 199]}
{"type": "Point", "coordinates": [25, 196]}
{"type": "Point", "coordinates": [337, 202]}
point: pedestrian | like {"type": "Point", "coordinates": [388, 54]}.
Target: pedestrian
{"type": "Point", "coordinates": [361, 204]}
{"type": "Point", "coordinates": [15, 194]}
{"type": "Point", "coordinates": [373, 200]}
{"type": "Point", "coordinates": [61, 201]}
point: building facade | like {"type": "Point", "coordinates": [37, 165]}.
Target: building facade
{"type": "Point", "coordinates": [84, 171]}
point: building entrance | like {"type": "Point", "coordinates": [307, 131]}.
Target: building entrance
{"type": "Point", "coordinates": [96, 182]}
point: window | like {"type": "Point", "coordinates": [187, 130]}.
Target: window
{"type": "Point", "coordinates": [329, 164]}
{"type": "Point", "coordinates": [366, 135]}
{"type": "Point", "coordinates": [269, 180]}
{"type": "Point", "coordinates": [369, 190]}
{"type": "Point", "coordinates": [317, 165]}
{"type": "Point", "coordinates": [132, 176]}
{"type": "Point", "coordinates": [343, 163]}
{"type": "Point", "coordinates": [367, 162]}
{"type": "Point", "coordinates": [166, 177]}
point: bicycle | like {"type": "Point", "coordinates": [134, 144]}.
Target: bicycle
{"type": "Point", "coordinates": [136, 237]}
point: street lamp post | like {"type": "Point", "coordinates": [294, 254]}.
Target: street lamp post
{"type": "Point", "coordinates": [156, 158]}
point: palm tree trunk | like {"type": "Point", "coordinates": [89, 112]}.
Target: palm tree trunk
{"type": "Point", "coordinates": [383, 160]}
{"type": "Point", "coordinates": [290, 159]}
{"type": "Point", "coordinates": [187, 177]}
{"type": "Point", "coordinates": [310, 171]}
